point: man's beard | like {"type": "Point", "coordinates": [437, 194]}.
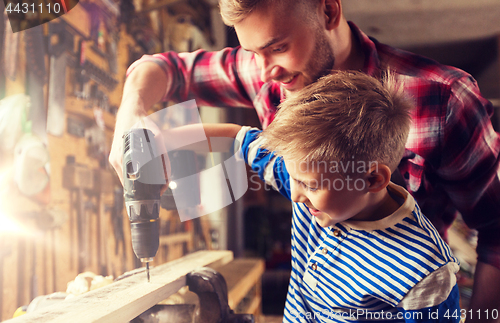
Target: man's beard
{"type": "Point", "coordinates": [320, 63]}
{"type": "Point", "coordinates": [322, 60]}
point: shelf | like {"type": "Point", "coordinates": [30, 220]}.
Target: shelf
{"type": "Point", "coordinates": [78, 107]}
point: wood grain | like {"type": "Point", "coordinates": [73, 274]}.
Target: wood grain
{"type": "Point", "coordinates": [241, 276]}
{"type": "Point", "coordinates": [125, 299]}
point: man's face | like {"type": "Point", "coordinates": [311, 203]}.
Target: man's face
{"type": "Point", "coordinates": [289, 45]}
{"type": "Point", "coordinates": [330, 196]}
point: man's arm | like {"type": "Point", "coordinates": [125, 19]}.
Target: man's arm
{"type": "Point", "coordinates": [485, 303]}
{"type": "Point", "coordinates": [228, 78]}
{"type": "Point", "coordinates": [144, 87]}
{"type": "Point", "coordinates": [470, 167]}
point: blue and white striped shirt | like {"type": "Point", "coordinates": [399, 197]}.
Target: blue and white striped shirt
{"type": "Point", "coordinates": [394, 269]}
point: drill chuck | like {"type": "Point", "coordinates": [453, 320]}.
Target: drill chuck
{"type": "Point", "coordinates": [143, 179]}
{"type": "Point", "coordinates": [145, 228]}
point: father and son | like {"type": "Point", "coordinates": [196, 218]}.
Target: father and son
{"type": "Point", "coordinates": [327, 93]}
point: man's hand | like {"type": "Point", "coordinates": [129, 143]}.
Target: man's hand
{"type": "Point", "coordinates": [116, 153]}
{"type": "Point", "coordinates": [145, 86]}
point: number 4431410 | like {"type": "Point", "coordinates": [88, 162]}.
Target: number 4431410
{"type": "Point", "coordinates": [32, 8]}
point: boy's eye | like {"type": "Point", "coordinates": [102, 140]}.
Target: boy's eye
{"type": "Point", "coordinates": [311, 189]}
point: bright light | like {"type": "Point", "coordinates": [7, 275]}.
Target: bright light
{"type": "Point", "coordinates": [172, 185]}
{"type": "Point", "coordinates": [7, 225]}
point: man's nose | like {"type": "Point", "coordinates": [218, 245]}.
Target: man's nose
{"type": "Point", "coordinates": [268, 69]}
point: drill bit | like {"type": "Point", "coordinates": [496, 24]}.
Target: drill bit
{"type": "Point", "coordinates": [147, 270]}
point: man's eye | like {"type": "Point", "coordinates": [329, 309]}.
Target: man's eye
{"type": "Point", "coordinates": [280, 49]}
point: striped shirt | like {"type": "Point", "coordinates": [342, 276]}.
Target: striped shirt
{"type": "Point", "coordinates": [396, 269]}
{"type": "Point", "coordinates": [452, 155]}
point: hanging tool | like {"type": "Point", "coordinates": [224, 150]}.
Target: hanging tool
{"type": "Point", "coordinates": [79, 179]}
{"type": "Point", "coordinates": [58, 61]}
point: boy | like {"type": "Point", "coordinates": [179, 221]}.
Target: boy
{"type": "Point", "coordinates": [361, 249]}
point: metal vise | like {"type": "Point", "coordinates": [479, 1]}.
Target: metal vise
{"type": "Point", "coordinates": [211, 288]}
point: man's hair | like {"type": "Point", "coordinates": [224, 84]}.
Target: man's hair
{"type": "Point", "coordinates": [234, 11]}
{"type": "Point", "coordinates": [344, 116]}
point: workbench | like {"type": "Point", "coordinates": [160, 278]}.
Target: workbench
{"type": "Point", "coordinates": [125, 299]}
{"type": "Point", "coordinates": [243, 278]}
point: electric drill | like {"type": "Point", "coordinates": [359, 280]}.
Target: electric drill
{"type": "Point", "coordinates": [143, 179]}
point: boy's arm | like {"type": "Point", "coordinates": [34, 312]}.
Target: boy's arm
{"type": "Point", "coordinates": [270, 168]}
{"type": "Point", "coordinates": [225, 130]}
{"type": "Point", "coordinates": [435, 298]}
{"type": "Point", "coordinates": [447, 311]}
{"type": "Point", "coordinates": [194, 136]}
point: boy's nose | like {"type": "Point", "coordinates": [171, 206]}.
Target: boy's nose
{"type": "Point", "coordinates": [297, 195]}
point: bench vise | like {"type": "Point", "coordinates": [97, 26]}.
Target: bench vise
{"type": "Point", "coordinates": [211, 288]}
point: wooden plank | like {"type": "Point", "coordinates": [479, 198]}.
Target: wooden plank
{"type": "Point", "coordinates": [127, 298]}
{"type": "Point", "coordinates": [254, 307]}
{"type": "Point", "coordinates": [241, 275]}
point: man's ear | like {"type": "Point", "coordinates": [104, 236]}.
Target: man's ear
{"type": "Point", "coordinates": [332, 12]}
{"type": "Point", "coordinates": [378, 177]}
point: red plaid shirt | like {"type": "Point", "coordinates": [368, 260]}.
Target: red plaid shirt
{"type": "Point", "coordinates": [452, 154]}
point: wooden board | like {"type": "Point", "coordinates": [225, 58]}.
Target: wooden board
{"type": "Point", "coordinates": [125, 299]}
{"type": "Point", "coordinates": [241, 276]}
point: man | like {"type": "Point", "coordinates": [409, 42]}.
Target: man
{"type": "Point", "coordinates": [452, 154]}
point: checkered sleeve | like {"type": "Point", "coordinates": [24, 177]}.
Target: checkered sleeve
{"type": "Point", "coordinates": [469, 167]}
{"type": "Point", "coordinates": [226, 78]}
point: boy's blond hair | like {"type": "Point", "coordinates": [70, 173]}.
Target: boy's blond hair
{"type": "Point", "coordinates": [344, 116]}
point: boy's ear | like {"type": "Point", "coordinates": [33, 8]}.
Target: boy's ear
{"type": "Point", "coordinates": [332, 11]}
{"type": "Point", "coordinates": [379, 177]}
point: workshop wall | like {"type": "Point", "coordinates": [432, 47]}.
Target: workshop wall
{"type": "Point", "coordinates": [61, 205]}
{"type": "Point", "coordinates": [73, 222]}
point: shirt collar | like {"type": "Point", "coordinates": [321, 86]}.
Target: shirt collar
{"type": "Point", "coordinates": [404, 211]}
{"type": "Point", "coordinates": [369, 47]}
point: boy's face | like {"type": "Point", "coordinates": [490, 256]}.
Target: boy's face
{"type": "Point", "coordinates": [330, 197]}
{"type": "Point", "coordinates": [288, 48]}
